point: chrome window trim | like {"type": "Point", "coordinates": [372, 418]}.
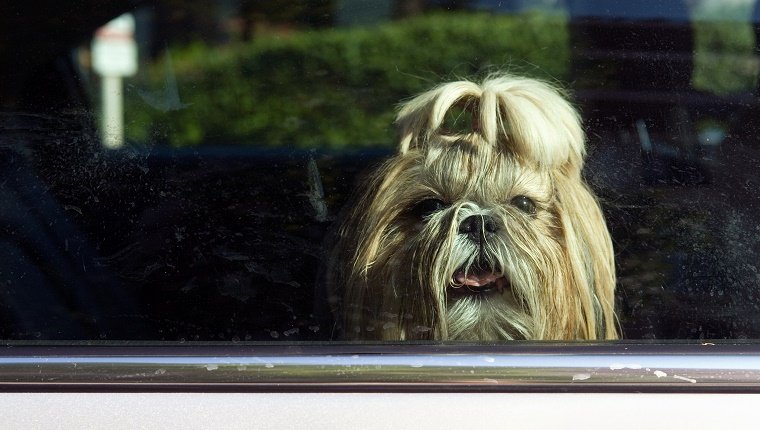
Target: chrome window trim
{"type": "Point", "coordinates": [517, 367]}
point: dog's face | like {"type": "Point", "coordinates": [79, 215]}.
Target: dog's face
{"type": "Point", "coordinates": [486, 229]}
{"type": "Point", "coordinates": [461, 236]}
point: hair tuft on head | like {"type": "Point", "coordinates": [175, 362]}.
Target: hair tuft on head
{"type": "Point", "coordinates": [529, 117]}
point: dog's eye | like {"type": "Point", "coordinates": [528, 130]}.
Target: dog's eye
{"type": "Point", "coordinates": [427, 207]}
{"type": "Point", "coordinates": [525, 204]}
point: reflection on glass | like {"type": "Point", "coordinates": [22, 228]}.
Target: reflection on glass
{"type": "Point", "coordinates": [248, 124]}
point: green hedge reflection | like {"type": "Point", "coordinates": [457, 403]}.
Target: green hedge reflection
{"type": "Point", "coordinates": [335, 87]}
{"type": "Point", "coordinates": [724, 62]}
{"type": "Point", "coordinates": [338, 87]}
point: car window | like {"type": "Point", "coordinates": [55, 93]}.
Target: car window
{"type": "Point", "coordinates": [182, 171]}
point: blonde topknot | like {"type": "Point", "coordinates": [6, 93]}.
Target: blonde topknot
{"type": "Point", "coordinates": [531, 118]}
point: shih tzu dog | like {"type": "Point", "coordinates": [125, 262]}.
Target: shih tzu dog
{"type": "Point", "coordinates": [483, 233]}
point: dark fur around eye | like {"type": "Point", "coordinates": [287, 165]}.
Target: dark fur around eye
{"type": "Point", "coordinates": [425, 208]}
{"type": "Point", "coordinates": [525, 204]}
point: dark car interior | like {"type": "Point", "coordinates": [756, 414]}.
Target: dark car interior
{"type": "Point", "coordinates": [226, 242]}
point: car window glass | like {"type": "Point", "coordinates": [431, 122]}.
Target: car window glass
{"type": "Point", "coordinates": [177, 171]}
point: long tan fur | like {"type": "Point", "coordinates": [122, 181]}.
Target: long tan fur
{"type": "Point", "coordinates": [537, 270]}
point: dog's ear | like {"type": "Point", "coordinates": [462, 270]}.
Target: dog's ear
{"type": "Point", "coordinates": [590, 258]}
{"type": "Point", "coordinates": [358, 274]}
{"type": "Point", "coordinates": [354, 249]}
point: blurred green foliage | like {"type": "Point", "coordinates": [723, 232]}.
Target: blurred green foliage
{"type": "Point", "coordinates": [334, 87]}
{"type": "Point", "coordinates": [724, 60]}
{"type": "Point", "coordinates": [339, 87]}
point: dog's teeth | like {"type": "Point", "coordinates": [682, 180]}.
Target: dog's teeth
{"type": "Point", "coordinates": [475, 279]}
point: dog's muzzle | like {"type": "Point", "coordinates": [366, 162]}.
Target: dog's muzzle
{"type": "Point", "coordinates": [478, 227]}
{"type": "Point", "coordinates": [483, 276]}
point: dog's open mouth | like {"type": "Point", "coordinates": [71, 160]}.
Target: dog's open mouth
{"type": "Point", "coordinates": [477, 281]}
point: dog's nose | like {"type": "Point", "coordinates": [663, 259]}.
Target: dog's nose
{"type": "Point", "coordinates": [478, 226]}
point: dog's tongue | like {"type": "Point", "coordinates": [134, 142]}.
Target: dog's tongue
{"type": "Point", "coordinates": [475, 279]}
